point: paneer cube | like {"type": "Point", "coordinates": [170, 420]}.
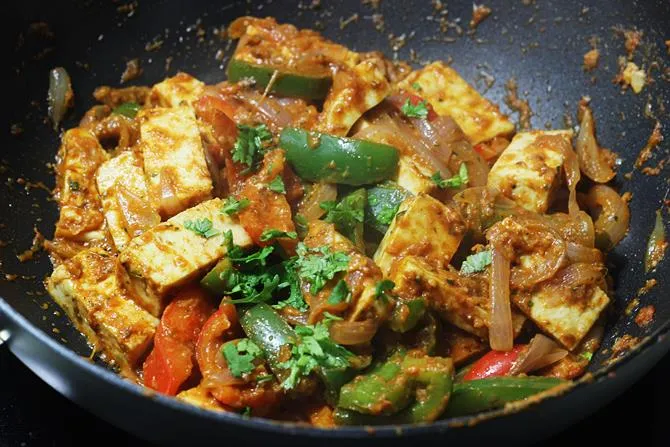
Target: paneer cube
{"type": "Point", "coordinates": [93, 288]}
{"type": "Point", "coordinates": [529, 169]}
{"type": "Point", "coordinates": [125, 198]}
{"type": "Point", "coordinates": [461, 300]}
{"type": "Point", "coordinates": [558, 313]}
{"type": "Point", "coordinates": [170, 255]}
{"type": "Point", "coordinates": [200, 397]}
{"type": "Point", "coordinates": [181, 89]}
{"type": "Point", "coordinates": [450, 95]}
{"type": "Point", "coordinates": [174, 159]}
{"type": "Point", "coordinates": [355, 91]}
{"type": "Point", "coordinates": [81, 217]}
{"type": "Point", "coordinates": [424, 227]}
{"type": "Point", "coordinates": [411, 177]}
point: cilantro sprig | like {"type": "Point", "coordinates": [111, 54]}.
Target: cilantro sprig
{"type": "Point", "coordinates": [477, 262]}
{"type": "Point", "coordinates": [319, 265]}
{"type": "Point", "coordinates": [340, 293]}
{"type": "Point", "coordinates": [458, 180]}
{"type": "Point", "coordinates": [277, 185]}
{"type": "Point", "coordinates": [271, 233]}
{"type": "Point", "coordinates": [240, 356]}
{"type": "Point", "coordinates": [233, 206]}
{"type": "Point", "coordinates": [314, 348]}
{"type": "Point", "coordinates": [202, 227]}
{"type": "Point", "coordinates": [250, 144]}
{"type": "Point", "coordinates": [419, 110]}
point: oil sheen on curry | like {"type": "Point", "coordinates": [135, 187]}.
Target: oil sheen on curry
{"type": "Point", "coordinates": [332, 238]}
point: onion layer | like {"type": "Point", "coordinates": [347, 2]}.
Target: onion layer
{"type": "Point", "coordinates": [60, 96]}
{"type": "Point", "coordinates": [542, 351]}
{"type": "Point", "coordinates": [353, 332]}
{"type": "Point", "coordinates": [611, 213]}
{"type": "Point", "coordinates": [501, 333]}
{"type": "Point", "coordinates": [595, 162]}
{"type": "Point", "coordinates": [310, 205]}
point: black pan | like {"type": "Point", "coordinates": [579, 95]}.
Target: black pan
{"type": "Point", "coordinates": [540, 44]}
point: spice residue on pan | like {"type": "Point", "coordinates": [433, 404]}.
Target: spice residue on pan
{"type": "Point", "coordinates": [36, 246]}
{"type": "Point", "coordinates": [657, 244]}
{"type": "Point", "coordinates": [654, 140]}
{"type": "Point", "coordinates": [518, 105]}
{"type": "Point", "coordinates": [133, 70]}
{"type": "Point", "coordinates": [591, 59]}
{"type": "Point", "coordinates": [622, 345]}
{"type": "Point", "coordinates": [648, 285]}
{"type": "Point", "coordinates": [479, 14]}
{"type": "Point", "coordinates": [645, 316]}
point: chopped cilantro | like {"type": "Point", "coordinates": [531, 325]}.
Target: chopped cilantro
{"type": "Point", "coordinates": [201, 227]}
{"type": "Point", "coordinates": [277, 185]}
{"type": "Point", "coordinates": [236, 254]}
{"type": "Point", "coordinates": [458, 180]}
{"type": "Point", "coordinates": [246, 412]}
{"type": "Point", "coordinates": [262, 378]}
{"type": "Point", "coordinates": [382, 287]}
{"type": "Point", "coordinates": [292, 281]}
{"type": "Point", "coordinates": [250, 144]}
{"type": "Point", "coordinates": [247, 285]}
{"type": "Point", "coordinates": [587, 355]}
{"type": "Point", "coordinates": [340, 293]}
{"type": "Point", "coordinates": [419, 110]}
{"type": "Point", "coordinates": [275, 234]}
{"type": "Point", "coordinates": [476, 263]}
{"type": "Point", "coordinates": [240, 357]}
{"type": "Point", "coordinates": [348, 215]}
{"type": "Point", "coordinates": [301, 224]}
{"type": "Point", "coordinates": [127, 109]}
{"type": "Point", "coordinates": [234, 206]}
{"type": "Point", "coordinates": [314, 348]}
{"type": "Point", "coordinates": [319, 265]}
{"type": "Point", "coordinates": [416, 86]}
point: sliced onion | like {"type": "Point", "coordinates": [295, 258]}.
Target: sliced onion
{"type": "Point", "coordinates": [542, 351]}
{"type": "Point", "coordinates": [276, 115]}
{"type": "Point", "coordinates": [353, 332]}
{"type": "Point", "coordinates": [60, 95]}
{"type": "Point", "coordinates": [310, 205]}
{"type": "Point", "coordinates": [572, 174]}
{"type": "Point", "coordinates": [399, 134]}
{"type": "Point", "coordinates": [582, 253]}
{"type": "Point", "coordinates": [137, 212]}
{"type": "Point", "coordinates": [611, 213]}
{"type": "Point", "coordinates": [501, 332]}
{"type": "Point", "coordinates": [578, 275]}
{"type": "Point", "coordinates": [595, 162]}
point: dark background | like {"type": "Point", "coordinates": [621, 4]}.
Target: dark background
{"type": "Point", "coordinates": [34, 415]}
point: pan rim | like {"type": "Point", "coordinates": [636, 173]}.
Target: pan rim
{"type": "Point", "coordinates": [279, 427]}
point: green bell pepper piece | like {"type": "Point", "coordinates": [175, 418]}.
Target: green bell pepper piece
{"type": "Point", "coordinates": [383, 203]}
{"type": "Point", "coordinates": [285, 83]}
{"type": "Point", "coordinates": [318, 157]}
{"type": "Point", "coordinates": [474, 396]}
{"type": "Point", "coordinates": [403, 390]}
{"type": "Point", "coordinates": [215, 280]}
{"type": "Point", "coordinates": [406, 315]}
{"type": "Point", "coordinates": [268, 331]}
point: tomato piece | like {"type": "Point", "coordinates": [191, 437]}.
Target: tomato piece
{"type": "Point", "coordinates": [490, 150]}
{"type": "Point", "coordinates": [267, 209]}
{"type": "Point", "coordinates": [171, 361]}
{"type": "Point", "coordinates": [494, 363]}
{"type": "Point", "coordinates": [234, 392]}
{"type": "Point", "coordinates": [401, 98]}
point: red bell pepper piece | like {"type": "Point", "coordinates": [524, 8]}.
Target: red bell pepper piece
{"type": "Point", "coordinates": [494, 363]}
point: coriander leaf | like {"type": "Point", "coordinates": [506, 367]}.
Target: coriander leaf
{"type": "Point", "coordinates": [246, 412]}
{"type": "Point", "coordinates": [249, 146]}
{"type": "Point", "coordinates": [201, 227]}
{"type": "Point", "coordinates": [236, 254]}
{"type": "Point", "coordinates": [348, 215]}
{"type": "Point", "coordinates": [292, 281]}
{"type": "Point", "coordinates": [586, 355]}
{"type": "Point", "coordinates": [313, 349]}
{"type": "Point", "coordinates": [301, 224]}
{"type": "Point", "coordinates": [419, 110]}
{"type": "Point", "coordinates": [416, 86]}
{"type": "Point", "coordinates": [476, 263]}
{"type": "Point", "coordinates": [340, 293]}
{"type": "Point", "coordinates": [458, 180]}
{"type": "Point", "coordinates": [268, 234]}
{"type": "Point", "coordinates": [383, 286]}
{"type": "Point", "coordinates": [234, 206]}
{"type": "Point", "coordinates": [277, 185]}
{"type": "Point", "coordinates": [240, 357]}
{"type": "Point", "coordinates": [329, 318]}
{"type": "Point", "coordinates": [262, 378]}
{"type": "Point", "coordinates": [319, 265]}
{"type": "Point", "coordinates": [127, 109]}
{"type": "Point", "coordinates": [247, 284]}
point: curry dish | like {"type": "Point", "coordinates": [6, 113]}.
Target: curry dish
{"type": "Point", "coordinates": [333, 238]}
